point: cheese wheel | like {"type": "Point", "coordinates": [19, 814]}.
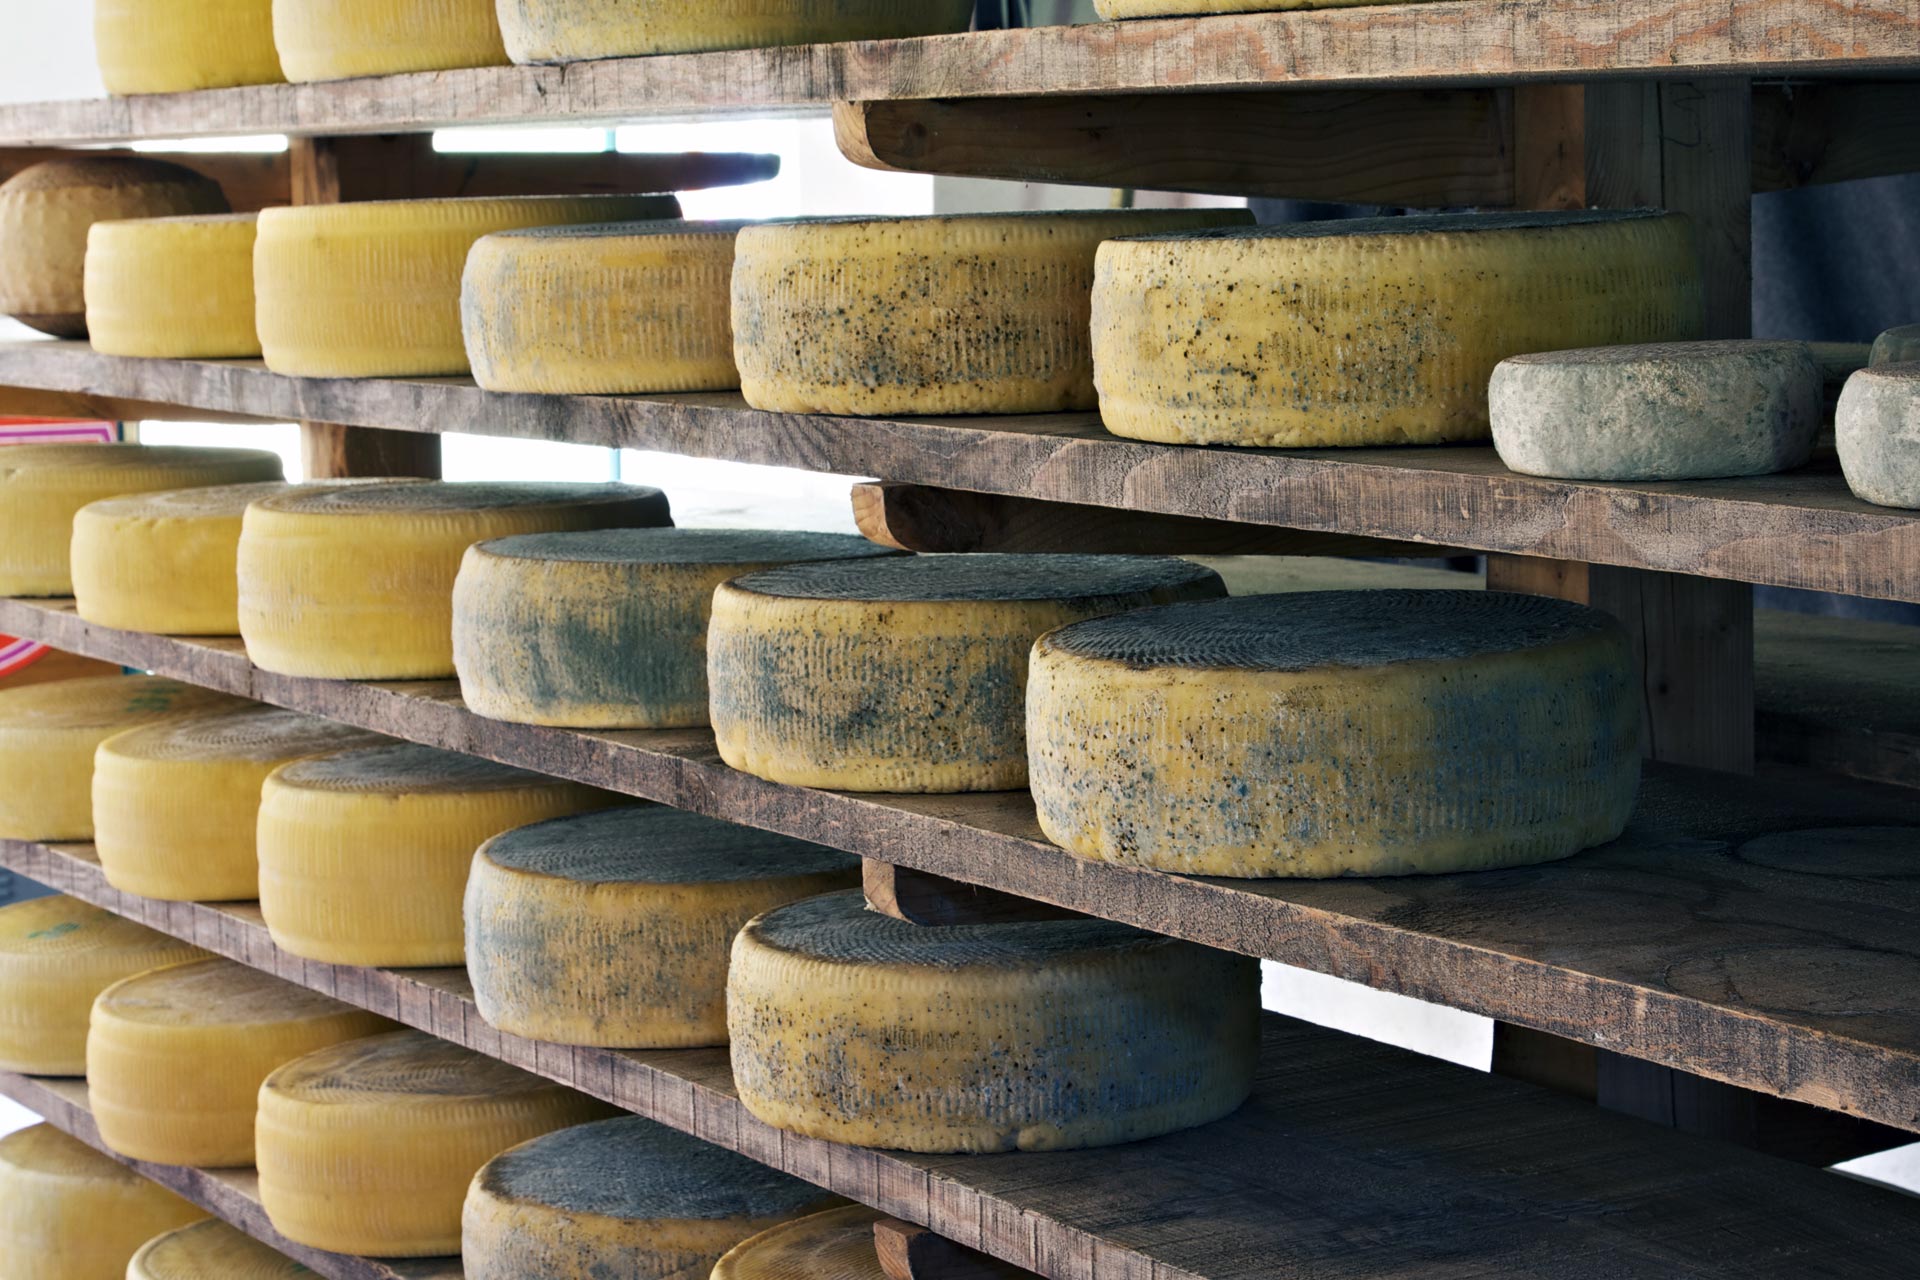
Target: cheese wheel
{"type": "Point", "coordinates": [905, 674]}
{"type": "Point", "coordinates": [372, 289]}
{"type": "Point", "coordinates": [368, 1147]}
{"type": "Point", "coordinates": [48, 734]}
{"type": "Point", "coordinates": [612, 928]}
{"type": "Point", "coordinates": [969, 313]}
{"type": "Point", "coordinates": [1336, 733]}
{"type": "Point", "coordinates": [364, 853]}
{"type": "Point", "coordinates": [1896, 346]}
{"type": "Point", "coordinates": [852, 1026]}
{"type": "Point", "coordinates": [356, 583]}
{"type": "Point", "coordinates": [1370, 331]}
{"type": "Point", "coordinates": [569, 30]}
{"type": "Point", "coordinates": [43, 487]}
{"type": "Point", "coordinates": [211, 1250]}
{"type": "Point", "coordinates": [623, 306]}
{"type": "Point", "coordinates": [342, 39]}
{"type": "Point", "coordinates": [176, 1056]}
{"type": "Point", "coordinates": [175, 804]}
{"type": "Point", "coordinates": [623, 1197]}
{"type": "Point", "coordinates": [45, 213]}
{"type": "Point", "coordinates": [174, 46]}
{"type": "Point", "coordinates": [836, 1243]}
{"type": "Point", "coordinates": [177, 287]}
{"type": "Point", "coordinates": [607, 630]}
{"type": "Point", "coordinates": [56, 955]}
{"type": "Point", "coordinates": [69, 1213]}
{"type": "Point", "coordinates": [1668, 411]}
{"type": "Point", "coordinates": [1877, 431]}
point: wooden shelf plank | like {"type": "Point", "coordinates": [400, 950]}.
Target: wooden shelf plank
{"type": "Point", "coordinates": [1802, 529]}
{"type": "Point", "coordinates": [1667, 945]}
{"type": "Point", "coordinates": [232, 1195]}
{"type": "Point", "coordinates": [1446, 1166]}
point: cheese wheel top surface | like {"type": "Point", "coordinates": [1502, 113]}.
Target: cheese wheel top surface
{"type": "Point", "coordinates": [651, 228]}
{"type": "Point", "coordinates": [99, 702]}
{"type": "Point", "coordinates": [393, 216]}
{"type": "Point", "coordinates": [400, 1064]}
{"type": "Point", "coordinates": [838, 927]}
{"type": "Point", "coordinates": [211, 993]}
{"type": "Point", "coordinates": [50, 464]}
{"type": "Point", "coordinates": [1420, 224]}
{"type": "Point", "coordinates": [212, 501]}
{"type": "Point", "coordinates": [405, 767]}
{"type": "Point", "coordinates": [56, 927]}
{"type": "Point", "coordinates": [452, 497]}
{"type": "Point", "coordinates": [1684, 355]}
{"type": "Point", "coordinates": [43, 1149]}
{"type": "Point", "coordinates": [837, 1244]}
{"type": "Point", "coordinates": [161, 226]}
{"type": "Point", "coordinates": [684, 546]}
{"type": "Point", "coordinates": [101, 172]}
{"type": "Point", "coordinates": [656, 844]}
{"type": "Point", "coordinates": [247, 733]}
{"type": "Point", "coordinates": [989, 577]}
{"type": "Point", "coordinates": [211, 1250]}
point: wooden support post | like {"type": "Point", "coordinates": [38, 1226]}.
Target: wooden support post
{"type": "Point", "coordinates": [910, 1252]}
{"type": "Point", "coordinates": [920, 897]}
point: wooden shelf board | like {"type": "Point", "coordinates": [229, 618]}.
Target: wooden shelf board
{"type": "Point", "coordinates": [1667, 945]}
{"type": "Point", "coordinates": [1802, 529]}
{"type": "Point", "coordinates": [232, 1195]}
{"type": "Point", "coordinates": [1445, 1166]}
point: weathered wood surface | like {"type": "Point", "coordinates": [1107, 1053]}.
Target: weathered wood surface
{"type": "Point", "coordinates": [908, 1251]}
{"type": "Point", "coordinates": [1669, 944]}
{"type": "Point", "coordinates": [1450, 1170]}
{"type": "Point", "coordinates": [1807, 133]}
{"type": "Point", "coordinates": [1839, 694]}
{"type": "Point", "coordinates": [232, 1195]}
{"type": "Point", "coordinates": [920, 898]}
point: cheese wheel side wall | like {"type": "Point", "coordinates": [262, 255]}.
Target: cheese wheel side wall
{"type": "Point", "coordinates": [567, 30]}
{"type": "Point", "coordinates": [180, 288]}
{"type": "Point", "coordinates": [175, 46]}
{"type": "Point", "coordinates": [341, 39]}
{"type": "Point", "coordinates": [83, 1221]}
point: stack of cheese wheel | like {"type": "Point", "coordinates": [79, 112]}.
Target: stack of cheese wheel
{"type": "Point", "coordinates": [364, 853]}
{"type": "Point", "coordinates": [905, 674]}
{"type": "Point", "coordinates": [568, 30]}
{"type": "Point", "coordinates": [612, 928]}
{"type": "Point", "coordinates": [852, 1026]}
{"type": "Point", "coordinates": [622, 306]}
{"type": "Point", "coordinates": [368, 1147]}
{"type": "Point", "coordinates": [343, 39]}
{"type": "Point", "coordinates": [974, 313]}
{"type": "Point", "coordinates": [835, 1242]}
{"type": "Point", "coordinates": [607, 630]}
{"type": "Point", "coordinates": [1336, 733]}
{"type": "Point", "coordinates": [69, 1213]}
{"type": "Point", "coordinates": [176, 1056]}
{"type": "Point", "coordinates": [356, 582]}
{"type": "Point", "coordinates": [174, 46]}
{"type": "Point", "coordinates": [46, 211]}
{"type": "Point", "coordinates": [174, 287]}
{"type": "Point", "coordinates": [56, 956]}
{"type": "Point", "coordinates": [623, 1197]}
{"type": "Point", "coordinates": [176, 804]}
{"type": "Point", "coordinates": [44, 486]}
{"type": "Point", "coordinates": [48, 735]}
{"type": "Point", "coordinates": [1896, 346]}
{"type": "Point", "coordinates": [211, 1250]}
{"type": "Point", "coordinates": [373, 289]}
{"type": "Point", "coordinates": [1877, 431]}
{"type": "Point", "coordinates": [1371, 331]}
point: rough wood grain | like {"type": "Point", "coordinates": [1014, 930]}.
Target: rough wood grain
{"type": "Point", "coordinates": [908, 1251]}
{"type": "Point", "coordinates": [1839, 694]}
{"type": "Point", "coordinates": [1810, 133]}
{"type": "Point", "coordinates": [920, 898]}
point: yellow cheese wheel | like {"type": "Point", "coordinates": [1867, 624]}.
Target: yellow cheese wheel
{"type": "Point", "coordinates": [56, 955]}
{"type": "Point", "coordinates": [1370, 331]}
{"type": "Point", "coordinates": [44, 486]}
{"type": "Point", "coordinates": [176, 1056]}
{"type": "Point", "coordinates": [373, 289]}
{"type": "Point", "coordinates": [567, 30]}
{"type": "Point", "coordinates": [364, 853]}
{"type": "Point", "coordinates": [905, 674]}
{"type": "Point", "coordinates": [177, 287]}
{"type": "Point", "coordinates": [69, 1213]}
{"type": "Point", "coordinates": [623, 1197]}
{"type": "Point", "coordinates": [211, 1250]}
{"type": "Point", "coordinates": [612, 928]}
{"type": "Point", "coordinates": [835, 1242]}
{"type": "Point", "coordinates": [48, 734]}
{"type": "Point", "coordinates": [368, 1147]}
{"type": "Point", "coordinates": [356, 583]}
{"type": "Point", "coordinates": [46, 210]}
{"type": "Point", "coordinates": [852, 1026]}
{"type": "Point", "coordinates": [968, 313]}
{"type": "Point", "coordinates": [1336, 733]}
{"type": "Point", "coordinates": [172, 46]}
{"type": "Point", "coordinates": [342, 39]}
{"type": "Point", "coordinates": [607, 630]}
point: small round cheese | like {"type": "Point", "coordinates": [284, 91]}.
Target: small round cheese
{"type": "Point", "coordinates": [1666, 411]}
{"type": "Point", "coordinates": [905, 674]}
{"type": "Point", "coordinates": [345, 39]}
{"type": "Point", "coordinates": [607, 630]}
{"type": "Point", "coordinates": [836, 1243]}
{"type": "Point", "coordinates": [1877, 431]}
{"type": "Point", "coordinates": [175, 287]}
{"type": "Point", "coordinates": [211, 1250]}
{"type": "Point", "coordinates": [612, 928]}
{"type": "Point", "coordinates": [175, 46]}
{"type": "Point", "coordinates": [569, 30]}
{"type": "Point", "coordinates": [623, 1197]}
{"type": "Point", "coordinates": [1896, 346]}
{"type": "Point", "coordinates": [368, 1147]}
{"type": "Point", "coordinates": [1336, 733]}
{"type": "Point", "coordinates": [69, 1213]}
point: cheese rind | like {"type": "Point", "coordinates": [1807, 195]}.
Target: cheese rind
{"type": "Point", "coordinates": [211, 1250]}
{"type": "Point", "coordinates": [342, 39]}
{"type": "Point", "coordinates": [1671, 411]}
{"type": "Point", "coordinates": [836, 1242]}
{"type": "Point", "coordinates": [1336, 733]}
{"type": "Point", "coordinates": [623, 1197]}
{"type": "Point", "coordinates": [174, 46]}
{"type": "Point", "coordinates": [1896, 346]}
{"type": "Point", "coordinates": [909, 674]}
{"type": "Point", "coordinates": [56, 956]}
{"type": "Point", "coordinates": [372, 289]}
{"type": "Point", "coordinates": [1370, 331]}
{"type": "Point", "coordinates": [356, 583]}
{"type": "Point", "coordinates": [1877, 432]}
{"type": "Point", "coordinates": [607, 630]}
{"type": "Point", "coordinates": [569, 30]}
{"type": "Point", "coordinates": [174, 287]}
{"type": "Point", "coordinates": [176, 1056]}
{"type": "Point", "coordinates": [970, 313]}
{"type": "Point", "coordinates": [613, 928]}
{"type": "Point", "coordinates": [69, 1213]}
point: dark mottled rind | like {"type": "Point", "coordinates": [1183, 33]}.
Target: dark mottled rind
{"type": "Point", "coordinates": [839, 927]}
{"type": "Point", "coordinates": [960, 578]}
{"type": "Point", "coordinates": [400, 1064]}
{"type": "Point", "coordinates": [1422, 224]}
{"type": "Point", "coordinates": [406, 766]}
{"type": "Point", "coordinates": [655, 844]}
{"type": "Point", "coordinates": [437, 496]}
{"type": "Point", "coordinates": [684, 546]}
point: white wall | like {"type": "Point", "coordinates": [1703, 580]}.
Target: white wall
{"type": "Point", "coordinates": [47, 51]}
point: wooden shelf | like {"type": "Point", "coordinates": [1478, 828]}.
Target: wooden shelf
{"type": "Point", "coordinates": [1802, 529]}
{"type": "Point", "coordinates": [1497, 1178]}
{"type": "Point", "coordinates": [232, 1195]}
{"type": "Point", "coordinates": [1666, 945]}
